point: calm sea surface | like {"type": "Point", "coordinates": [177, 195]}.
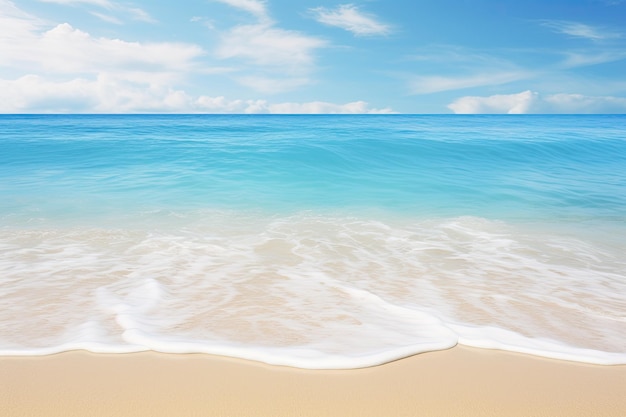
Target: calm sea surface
{"type": "Point", "coordinates": [313, 241]}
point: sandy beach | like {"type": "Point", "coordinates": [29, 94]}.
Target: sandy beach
{"type": "Point", "coordinates": [457, 382]}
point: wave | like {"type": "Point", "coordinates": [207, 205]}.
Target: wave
{"type": "Point", "coordinates": [312, 290]}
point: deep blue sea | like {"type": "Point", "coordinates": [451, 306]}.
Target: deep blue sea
{"type": "Point", "coordinates": [313, 241]}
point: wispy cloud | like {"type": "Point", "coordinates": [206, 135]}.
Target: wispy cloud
{"type": "Point", "coordinates": [350, 18]}
{"type": "Point", "coordinates": [133, 13]}
{"type": "Point", "coordinates": [581, 30]}
{"type": "Point", "coordinates": [436, 83]}
{"type": "Point", "coordinates": [101, 3]}
{"type": "Point", "coordinates": [582, 59]}
{"type": "Point", "coordinates": [14, 24]}
{"type": "Point", "coordinates": [533, 102]}
{"type": "Point", "coordinates": [256, 7]}
{"type": "Point", "coordinates": [107, 18]}
{"type": "Point", "coordinates": [446, 68]}
{"type": "Point", "coordinates": [270, 59]}
{"type": "Point", "coordinates": [140, 14]}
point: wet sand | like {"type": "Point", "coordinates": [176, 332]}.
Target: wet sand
{"type": "Point", "coordinates": [457, 382]}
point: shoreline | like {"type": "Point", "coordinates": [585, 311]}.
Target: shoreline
{"type": "Point", "coordinates": [461, 381]}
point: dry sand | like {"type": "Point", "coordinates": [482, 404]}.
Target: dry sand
{"type": "Point", "coordinates": [458, 382]}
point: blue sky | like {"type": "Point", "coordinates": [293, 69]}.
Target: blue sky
{"type": "Point", "coordinates": [313, 56]}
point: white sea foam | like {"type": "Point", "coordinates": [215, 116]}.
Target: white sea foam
{"type": "Point", "coordinates": [311, 290]}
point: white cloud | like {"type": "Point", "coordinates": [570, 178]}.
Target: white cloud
{"type": "Point", "coordinates": [506, 103]}
{"type": "Point", "coordinates": [533, 102]}
{"type": "Point", "coordinates": [273, 60]}
{"type": "Point", "coordinates": [578, 103]}
{"type": "Point", "coordinates": [31, 93]}
{"type": "Point", "coordinates": [107, 93]}
{"type": "Point", "coordinates": [64, 49]}
{"type": "Point", "coordinates": [270, 59]}
{"type": "Point", "coordinates": [15, 25]}
{"type": "Point", "coordinates": [266, 45]}
{"type": "Point", "coordinates": [111, 94]}
{"type": "Point", "coordinates": [580, 30]}
{"type": "Point", "coordinates": [350, 18]}
{"type": "Point", "coordinates": [222, 105]}
{"type": "Point", "coordinates": [61, 69]}
{"type": "Point", "coordinates": [320, 107]}
{"type": "Point", "coordinates": [140, 14]}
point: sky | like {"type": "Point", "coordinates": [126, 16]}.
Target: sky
{"type": "Point", "coordinates": [313, 56]}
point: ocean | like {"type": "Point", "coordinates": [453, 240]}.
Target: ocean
{"type": "Point", "coordinates": [321, 242]}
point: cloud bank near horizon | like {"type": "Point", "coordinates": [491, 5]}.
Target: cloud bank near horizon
{"type": "Point", "coordinates": [34, 94]}
{"type": "Point", "coordinates": [531, 102]}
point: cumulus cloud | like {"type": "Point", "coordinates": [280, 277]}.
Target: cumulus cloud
{"type": "Point", "coordinates": [64, 49]}
{"type": "Point", "coordinates": [57, 68]}
{"type": "Point", "coordinates": [32, 93]}
{"type": "Point", "coordinates": [279, 59]}
{"type": "Point", "coordinates": [64, 69]}
{"type": "Point", "coordinates": [350, 18]}
{"type": "Point", "coordinates": [107, 93]}
{"type": "Point", "coordinates": [533, 102]}
{"type": "Point", "coordinates": [110, 94]}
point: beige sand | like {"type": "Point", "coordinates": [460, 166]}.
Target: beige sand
{"type": "Point", "coordinates": [457, 382]}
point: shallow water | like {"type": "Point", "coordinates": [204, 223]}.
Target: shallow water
{"type": "Point", "coordinates": [313, 241]}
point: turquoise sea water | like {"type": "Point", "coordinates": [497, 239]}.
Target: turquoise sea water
{"type": "Point", "coordinates": [313, 241]}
